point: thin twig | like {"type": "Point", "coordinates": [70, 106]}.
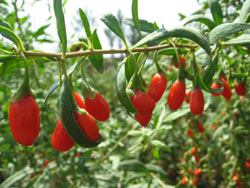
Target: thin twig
{"type": "Point", "coordinates": [158, 180]}
{"type": "Point", "coordinates": [101, 52]}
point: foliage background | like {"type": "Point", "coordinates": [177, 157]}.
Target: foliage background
{"type": "Point", "coordinates": [130, 156]}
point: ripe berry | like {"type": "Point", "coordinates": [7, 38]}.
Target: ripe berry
{"type": "Point", "coordinates": [195, 181]}
{"type": "Point", "coordinates": [182, 61]}
{"type": "Point", "coordinates": [24, 118]}
{"type": "Point", "coordinates": [184, 180]}
{"type": "Point", "coordinates": [247, 164]}
{"type": "Point", "coordinates": [190, 132]}
{"type": "Point", "coordinates": [194, 150]}
{"type": "Point", "coordinates": [157, 87]}
{"type": "Point", "coordinates": [197, 172]}
{"type": "Point", "coordinates": [240, 89]}
{"type": "Point", "coordinates": [176, 95]}
{"type": "Point", "coordinates": [227, 93]}
{"type": "Point", "coordinates": [196, 101]}
{"type": "Point", "coordinates": [143, 103]}
{"type": "Point", "coordinates": [200, 127]}
{"type": "Point", "coordinates": [98, 107]}
{"type": "Point", "coordinates": [216, 86]}
{"type": "Point", "coordinates": [143, 119]}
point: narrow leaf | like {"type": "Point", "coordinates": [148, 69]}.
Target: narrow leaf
{"type": "Point", "coordinates": [97, 60]}
{"type": "Point", "coordinates": [61, 29]}
{"type": "Point", "coordinates": [160, 145]}
{"type": "Point", "coordinates": [202, 19]}
{"type": "Point", "coordinates": [133, 165]}
{"type": "Point", "coordinates": [129, 68]}
{"type": "Point", "coordinates": [159, 34]}
{"type": "Point", "coordinates": [121, 85]}
{"type": "Point", "coordinates": [225, 30]}
{"type": "Point", "coordinates": [144, 25]}
{"type": "Point", "coordinates": [216, 11]}
{"type": "Point", "coordinates": [193, 35]}
{"type": "Point", "coordinates": [243, 40]}
{"type": "Point", "coordinates": [155, 169]}
{"type": "Point", "coordinates": [174, 115]}
{"type": "Point", "coordinates": [135, 16]}
{"type": "Point", "coordinates": [244, 10]}
{"type": "Point", "coordinates": [210, 71]}
{"type": "Point", "coordinates": [85, 23]}
{"type": "Point", "coordinates": [112, 23]}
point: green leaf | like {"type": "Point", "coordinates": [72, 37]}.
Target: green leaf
{"type": "Point", "coordinates": [160, 145]}
{"type": "Point", "coordinates": [135, 16]}
{"type": "Point", "coordinates": [185, 32]}
{"type": "Point", "coordinates": [133, 165]}
{"type": "Point", "coordinates": [210, 71]}
{"type": "Point", "coordinates": [61, 29]}
{"type": "Point", "coordinates": [16, 177]}
{"type": "Point", "coordinates": [155, 169]}
{"type": "Point", "coordinates": [40, 31]}
{"type": "Point", "coordinates": [171, 51]}
{"type": "Point", "coordinates": [129, 68]}
{"type": "Point", "coordinates": [243, 40]}
{"type": "Point", "coordinates": [121, 85]}
{"type": "Point", "coordinates": [159, 34]}
{"type": "Point", "coordinates": [112, 23]}
{"type": "Point", "coordinates": [144, 25]}
{"type": "Point", "coordinates": [97, 60]}
{"type": "Point", "coordinates": [202, 19]}
{"type": "Point", "coordinates": [9, 34]}
{"type": "Point", "coordinates": [174, 115]}
{"type": "Point", "coordinates": [244, 10]}
{"type": "Point", "coordinates": [225, 30]}
{"type": "Point", "coordinates": [85, 24]}
{"type": "Point", "coordinates": [216, 11]}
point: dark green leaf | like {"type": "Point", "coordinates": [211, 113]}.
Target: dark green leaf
{"type": "Point", "coordinates": [159, 34]}
{"type": "Point", "coordinates": [133, 165]}
{"type": "Point", "coordinates": [97, 60]}
{"type": "Point", "coordinates": [85, 23]}
{"type": "Point", "coordinates": [225, 30]}
{"type": "Point", "coordinates": [112, 23]}
{"type": "Point", "coordinates": [216, 11]}
{"type": "Point", "coordinates": [171, 51]}
{"type": "Point", "coordinates": [244, 10]}
{"type": "Point", "coordinates": [202, 19]}
{"type": "Point", "coordinates": [129, 68]}
{"type": "Point", "coordinates": [243, 40]}
{"type": "Point", "coordinates": [193, 35]}
{"type": "Point", "coordinates": [121, 85]}
{"type": "Point", "coordinates": [135, 16]}
{"type": "Point", "coordinates": [144, 25]}
{"type": "Point", "coordinates": [210, 71]}
{"type": "Point", "coordinates": [61, 29]}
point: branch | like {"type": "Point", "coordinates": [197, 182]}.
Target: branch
{"type": "Point", "coordinates": [101, 52]}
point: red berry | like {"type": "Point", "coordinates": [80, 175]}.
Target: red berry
{"type": "Point", "coordinates": [240, 89]}
{"type": "Point", "coordinates": [196, 101]}
{"type": "Point", "coordinates": [98, 107]}
{"type": "Point", "coordinates": [143, 119]}
{"type": "Point", "coordinates": [184, 180]}
{"type": "Point", "coordinates": [235, 177]}
{"type": "Point", "coordinates": [46, 162]}
{"type": "Point", "coordinates": [200, 127]}
{"type": "Point", "coordinates": [195, 181]}
{"type": "Point", "coordinates": [182, 61]}
{"type": "Point", "coordinates": [216, 86]}
{"type": "Point", "coordinates": [227, 93]}
{"type": "Point", "coordinates": [197, 158]}
{"type": "Point", "coordinates": [88, 126]}
{"type": "Point", "coordinates": [60, 139]}
{"type": "Point", "coordinates": [143, 103]}
{"type": "Point", "coordinates": [194, 150]}
{"type": "Point", "coordinates": [24, 118]}
{"type": "Point", "coordinates": [78, 154]}
{"type": "Point", "coordinates": [157, 87]}
{"type": "Point", "coordinates": [176, 95]}
{"type": "Point", "coordinates": [247, 164]}
{"type": "Point", "coordinates": [197, 172]}
{"type": "Point", "coordinates": [190, 132]}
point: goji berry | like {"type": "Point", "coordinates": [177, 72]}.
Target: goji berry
{"type": "Point", "coordinates": [24, 118]}
{"type": "Point", "coordinates": [176, 95]}
{"type": "Point", "coordinates": [143, 119]}
{"type": "Point", "coordinates": [200, 127]}
{"type": "Point", "coordinates": [196, 101]}
{"type": "Point", "coordinates": [197, 172]}
{"type": "Point", "coordinates": [143, 103]}
{"type": "Point", "coordinates": [227, 93]}
{"type": "Point", "coordinates": [98, 107]}
{"type": "Point", "coordinates": [184, 180]}
{"type": "Point", "coordinates": [182, 61]}
{"type": "Point", "coordinates": [240, 89]}
{"type": "Point", "coordinates": [216, 86]}
{"type": "Point", "coordinates": [157, 87]}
